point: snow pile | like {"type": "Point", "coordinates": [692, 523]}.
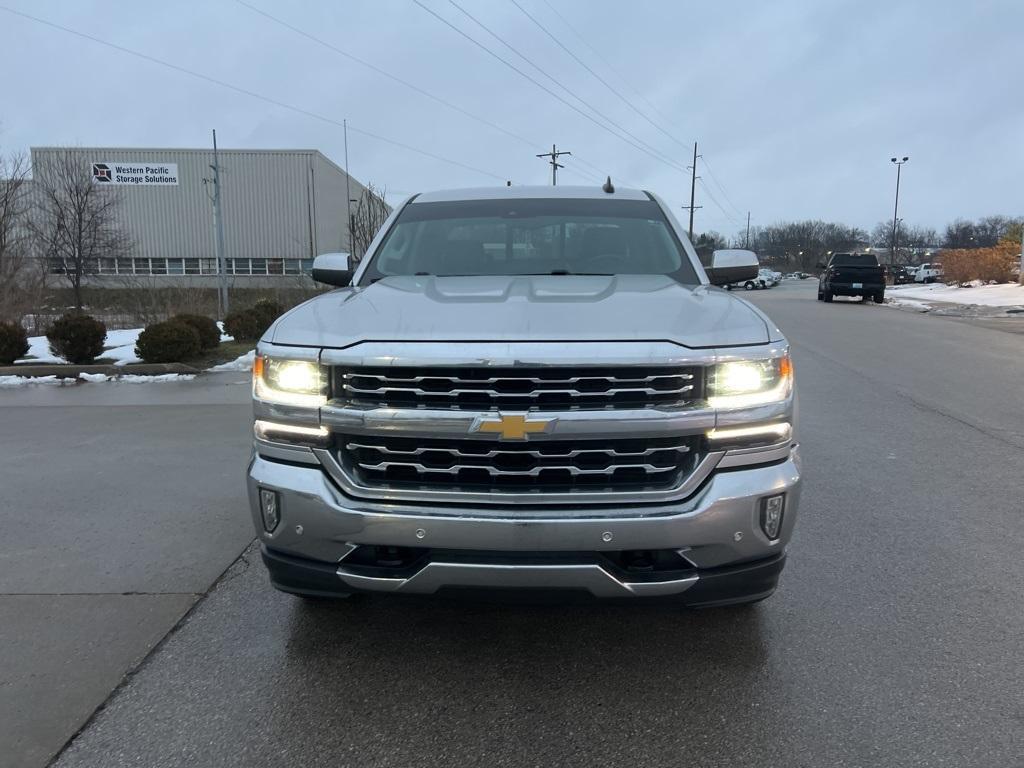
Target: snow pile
{"type": "Point", "coordinates": [94, 377]}
{"type": "Point", "coordinates": [39, 352]}
{"type": "Point", "coordinates": [9, 382]}
{"type": "Point", "coordinates": [1001, 295]}
{"type": "Point", "coordinates": [243, 363]}
{"type": "Point", "coordinates": [121, 346]}
{"type": "Point", "coordinates": [132, 378]}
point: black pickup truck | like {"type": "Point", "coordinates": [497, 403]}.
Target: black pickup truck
{"type": "Point", "coordinates": [852, 274]}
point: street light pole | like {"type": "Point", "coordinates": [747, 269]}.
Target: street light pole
{"type": "Point", "coordinates": [899, 166]}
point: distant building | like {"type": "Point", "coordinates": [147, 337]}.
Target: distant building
{"type": "Point", "coordinates": [281, 207]}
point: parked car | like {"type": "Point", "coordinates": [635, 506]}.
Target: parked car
{"type": "Point", "coordinates": [852, 274]}
{"type": "Point", "coordinates": [414, 431]}
{"type": "Point", "coordinates": [768, 278]}
{"type": "Point", "coordinates": [928, 273]}
{"type": "Point", "coordinates": [901, 274]}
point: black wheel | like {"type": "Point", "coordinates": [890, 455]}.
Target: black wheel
{"type": "Point", "coordinates": [880, 297]}
{"type": "Point", "coordinates": [827, 297]}
{"type": "Point", "coordinates": [820, 296]}
{"type": "Point", "coordinates": [749, 285]}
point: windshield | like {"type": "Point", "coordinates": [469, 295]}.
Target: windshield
{"type": "Point", "coordinates": [532, 237]}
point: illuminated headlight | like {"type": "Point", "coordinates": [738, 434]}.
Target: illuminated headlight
{"type": "Point", "coordinates": [748, 383]}
{"type": "Point", "coordinates": [289, 382]}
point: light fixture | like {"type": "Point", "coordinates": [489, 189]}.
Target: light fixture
{"type": "Point", "coordinates": [270, 509]}
{"type": "Point", "coordinates": [772, 508]}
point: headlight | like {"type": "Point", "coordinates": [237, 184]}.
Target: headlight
{"type": "Point", "coordinates": [748, 383]}
{"type": "Point", "coordinates": [289, 382]}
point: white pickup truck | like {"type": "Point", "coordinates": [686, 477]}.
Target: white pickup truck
{"type": "Point", "coordinates": [928, 273]}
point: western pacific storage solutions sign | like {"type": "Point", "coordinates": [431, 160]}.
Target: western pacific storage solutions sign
{"type": "Point", "coordinates": [138, 174]}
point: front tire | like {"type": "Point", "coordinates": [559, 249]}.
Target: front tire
{"type": "Point", "coordinates": [827, 297]}
{"type": "Point", "coordinates": [749, 285]}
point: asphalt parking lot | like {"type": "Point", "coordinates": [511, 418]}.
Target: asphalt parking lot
{"type": "Point", "coordinates": [895, 638]}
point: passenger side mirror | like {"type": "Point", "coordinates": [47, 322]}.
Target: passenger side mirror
{"type": "Point", "coordinates": [732, 266]}
{"type": "Point", "coordinates": [333, 269]}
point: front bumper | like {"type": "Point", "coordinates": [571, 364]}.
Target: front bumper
{"type": "Point", "coordinates": [716, 531]}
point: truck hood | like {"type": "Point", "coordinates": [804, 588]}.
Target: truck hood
{"type": "Point", "coordinates": [523, 308]}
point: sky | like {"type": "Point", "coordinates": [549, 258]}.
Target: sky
{"type": "Point", "coordinates": [796, 106]}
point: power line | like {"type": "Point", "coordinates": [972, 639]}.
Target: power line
{"type": "Point", "coordinates": [412, 86]}
{"type": "Point", "coordinates": [389, 75]}
{"type": "Point", "coordinates": [711, 173]}
{"type": "Point", "coordinates": [605, 61]}
{"type": "Point", "coordinates": [247, 92]}
{"type": "Point", "coordinates": [717, 204]}
{"type": "Point", "coordinates": [510, 65]}
{"type": "Point", "coordinates": [604, 82]}
{"type": "Point", "coordinates": [598, 77]}
{"type": "Point", "coordinates": [645, 146]}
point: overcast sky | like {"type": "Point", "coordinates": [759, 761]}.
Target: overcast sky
{"type": "Point", "coordinates": [797, 106]}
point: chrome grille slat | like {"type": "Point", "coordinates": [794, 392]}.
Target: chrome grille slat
{"type": "Point", "coordinates": [537, 454]}
{"type": "Point", "coordinates": [532, 472]}
{"type": "Point", "coordinates": [383, 390]}
{"type": "Point", "coordinates": [455, 379]}
{"type": "Point", "coordinates": [514, 387]}
{"type": "Point", "coordinates": [552, 466]}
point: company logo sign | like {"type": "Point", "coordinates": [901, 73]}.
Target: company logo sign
{"type": "Point", "coordinates": [136, 174]}
{"type": "Point", "coordinates": [512, 426]}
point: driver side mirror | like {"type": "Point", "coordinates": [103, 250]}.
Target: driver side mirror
{"type": "Point", "coordinates": [333, 269]}
{"type": "Point", "coordinates": [732, 266]}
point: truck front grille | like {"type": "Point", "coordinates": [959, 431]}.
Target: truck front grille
{"type": "Point", "coordinates": [547, 388]}
{"type": "Point", "coordinates": [548, 465]}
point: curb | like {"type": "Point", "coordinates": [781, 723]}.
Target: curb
{"type": "Point", "coordinates": [66, 371]}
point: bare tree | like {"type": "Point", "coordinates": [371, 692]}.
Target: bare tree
{"type": "Point", "coordinates": [22, 278]}
{"type": "Point", "coordinates": [368, 217]}
{"type": "Point", "coordinates": [911, 240]}
{"type": "Point", "coordinates": [75, 219]}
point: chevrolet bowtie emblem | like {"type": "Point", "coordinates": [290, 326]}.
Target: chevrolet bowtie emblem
{"type": "Point", "coordinates": [512, 426]}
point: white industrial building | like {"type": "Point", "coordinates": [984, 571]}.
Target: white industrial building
{"type": "Point", "coordinates": [280, 207]}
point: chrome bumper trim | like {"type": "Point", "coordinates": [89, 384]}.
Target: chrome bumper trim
{"type": "Point", "coordinates": [590, 577]}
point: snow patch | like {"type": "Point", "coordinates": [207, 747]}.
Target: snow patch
{"type": "Point", "coordinates": [132, 378]}
{"type": "Point", "coordinates": [978, 294]}
{"type": "Point", "coordinates": [10, 382]}
{"type": "Point", "coordinates": [94, 377]}
{"type": "Point", "coordinates": [243, 363]}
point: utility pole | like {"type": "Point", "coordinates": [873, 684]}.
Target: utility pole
{"type": "Point", "coordinates": [693, 188]}
{"type": "Point", "coordinates": [895, 232]}
{"type": "Point", "coordinates": [348, 193]}
{"type": "Point", "coordinates": [218, 224]}
{"type": "Point", "coordinates": [746, 239]}
{"type": "Point", "coordinates": [554, 154]}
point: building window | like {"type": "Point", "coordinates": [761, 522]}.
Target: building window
{"type": "Point", "coordinates": [292, 267]}
{"type": "Point", "coordinates": [259, 266]}
{"type": "Point", "coordinates": [141, 267]}
{"type": "Point", "coordinates": [275, 266]}
{"type": "Point", "coordinates": [159, 266]}
{"type": "Point", "coordinates": [208, 266]}
{"type": "Point", "coordinates": [307, 266]}
{"type": "Point", "coordinates": [175, 267]}
{"type": "Point", "coordinates": [191, 266]}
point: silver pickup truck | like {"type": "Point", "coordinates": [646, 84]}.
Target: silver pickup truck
{"type": "Point", "coordinates": [526, 388]}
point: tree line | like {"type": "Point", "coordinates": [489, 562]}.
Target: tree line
{"type": "Point", "coordinates": [801, 245]}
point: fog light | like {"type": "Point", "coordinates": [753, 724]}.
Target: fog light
{"type": "Point", "coordinates": [270, 508]}
{"type": "Point", "coordinates": [771, 515]}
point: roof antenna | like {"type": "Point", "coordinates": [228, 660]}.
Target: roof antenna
{"type": "Point", "coordinates": [608, 186]}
